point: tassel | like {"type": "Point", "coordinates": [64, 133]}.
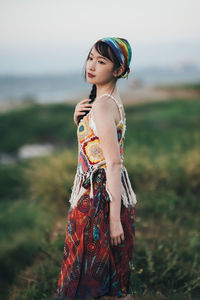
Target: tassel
{"type": "Point", "coordinates": [127, 193]}
{"type": "Point", "coordinates": [91, 185]}
{"type": "Point", "coordinates": [124, 197]}
{"type": "Point", "coordinates": [109, 194]}
{"type": "Point", "coordinates": [132, 195]}
{"type": "Point", "coordinates": [77, 189]}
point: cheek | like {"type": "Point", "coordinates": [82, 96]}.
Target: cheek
{"type": "Point", "coordinates": [105, 71]}
{"type": "Point", "coordinates": [105, 76]}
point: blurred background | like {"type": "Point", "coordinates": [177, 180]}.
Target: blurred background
{"type": "Point", "coordinates": [43, 48]}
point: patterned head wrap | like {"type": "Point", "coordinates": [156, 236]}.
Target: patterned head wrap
{"type": "Point", "coordinates": [122, 49]}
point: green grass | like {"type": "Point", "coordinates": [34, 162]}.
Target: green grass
{"type": "Point", "coordinates": [163, 127]}
{"type": "Point", "coordinates": [185, 86]}
{"type": "Point", "coordinates": [22, 233]}
{"type": "Point", "coordinates": [49, 123]}
{"type": "Point", "coordinates": [162, 158]}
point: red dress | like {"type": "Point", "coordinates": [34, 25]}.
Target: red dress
{"type": "Point", "coordinates": [91, 267]}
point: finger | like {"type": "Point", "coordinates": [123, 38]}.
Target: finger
{"type": "Point", "coordinates": [86, 105]}
{"type": "Point", "coordinates": [115, 241]}
{"type": "Point", "coordinates": [85, 100]}
{"type": "Point", "coordinates": [83, 110]}
{"type": "Point", "coordinates": [122, 237]}
{"type": "Point", "coordinates": [112, 241]}
{"type": "Point", "coordinates": [119, 240]}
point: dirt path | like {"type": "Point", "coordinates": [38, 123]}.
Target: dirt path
{"type": "Point", "coordinates": [143, 94]}
{"type": "Point", "coordinates": [152, 94]}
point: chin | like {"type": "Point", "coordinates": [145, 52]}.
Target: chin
{"type": "Point", "coordinates": [90, 80]}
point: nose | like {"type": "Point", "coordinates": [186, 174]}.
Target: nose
{"type": "Point", "coordinates": [92, 65]}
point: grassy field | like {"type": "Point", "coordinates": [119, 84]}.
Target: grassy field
{"type": "Point", "coordinates": [162, 157]}
{"type": "Point", "coordinates": [186, 86]}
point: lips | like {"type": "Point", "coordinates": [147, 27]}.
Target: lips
{"type": "Point", "coordinates": [90, 75]}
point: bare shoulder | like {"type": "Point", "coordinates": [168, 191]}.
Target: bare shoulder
{"type": "Point", "coordinates": [103, 105]}
{"type": "Point", "coordinates": [106, 105]}
{"type": "Point", "coordinates": [104, 101]}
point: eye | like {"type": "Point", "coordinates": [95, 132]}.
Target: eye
{"type": "Point", "coordinates": [100, 61]}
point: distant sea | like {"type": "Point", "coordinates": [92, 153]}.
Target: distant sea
{"type": "Point", "coordinates": [65, 87]}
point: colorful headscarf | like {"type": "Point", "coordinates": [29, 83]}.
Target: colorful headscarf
{"type": "Point", "coordinates": [122, 49]}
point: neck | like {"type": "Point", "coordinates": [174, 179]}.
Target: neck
{"type": "Point", "coordinates": [106, 89]}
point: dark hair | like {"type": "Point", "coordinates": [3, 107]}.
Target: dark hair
{"type": "Point", "coordinates": [106, 51]}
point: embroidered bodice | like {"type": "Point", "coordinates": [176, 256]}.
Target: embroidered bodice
{"type": "Point", "coordinates": [90, 153]}
{"type": "Point", "coordinates": [91, 156]}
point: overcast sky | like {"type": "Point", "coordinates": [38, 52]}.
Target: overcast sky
{"type": "Point", "coordinates": [39, 36]}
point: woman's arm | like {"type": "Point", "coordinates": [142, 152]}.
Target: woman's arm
{"type": "Point", "coordinates": [107, 133]}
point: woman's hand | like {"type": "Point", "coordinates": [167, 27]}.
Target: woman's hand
{"type": "Point", "coordinates": [116, 231]}
{"type": "Point", "coordinates": [79, 109]}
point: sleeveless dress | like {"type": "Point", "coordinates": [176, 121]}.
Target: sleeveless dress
{"type": "Point", "coordinates": [91, 266]}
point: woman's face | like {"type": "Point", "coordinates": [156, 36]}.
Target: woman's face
{"type": "Point", "coordinates": [100, 67]}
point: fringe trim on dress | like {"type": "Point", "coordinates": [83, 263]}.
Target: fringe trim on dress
{"type": "Point", "coordinates": [127, 193]}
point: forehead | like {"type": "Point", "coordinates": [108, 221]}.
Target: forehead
{"type": "Point", "coordinates": [95, 53]}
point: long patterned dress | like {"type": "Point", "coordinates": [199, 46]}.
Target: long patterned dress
{"type": "Point", "coordinates": [91, 266]}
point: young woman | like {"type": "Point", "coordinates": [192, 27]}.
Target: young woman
{"type": "Point", "coordinates": [99, 243]}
